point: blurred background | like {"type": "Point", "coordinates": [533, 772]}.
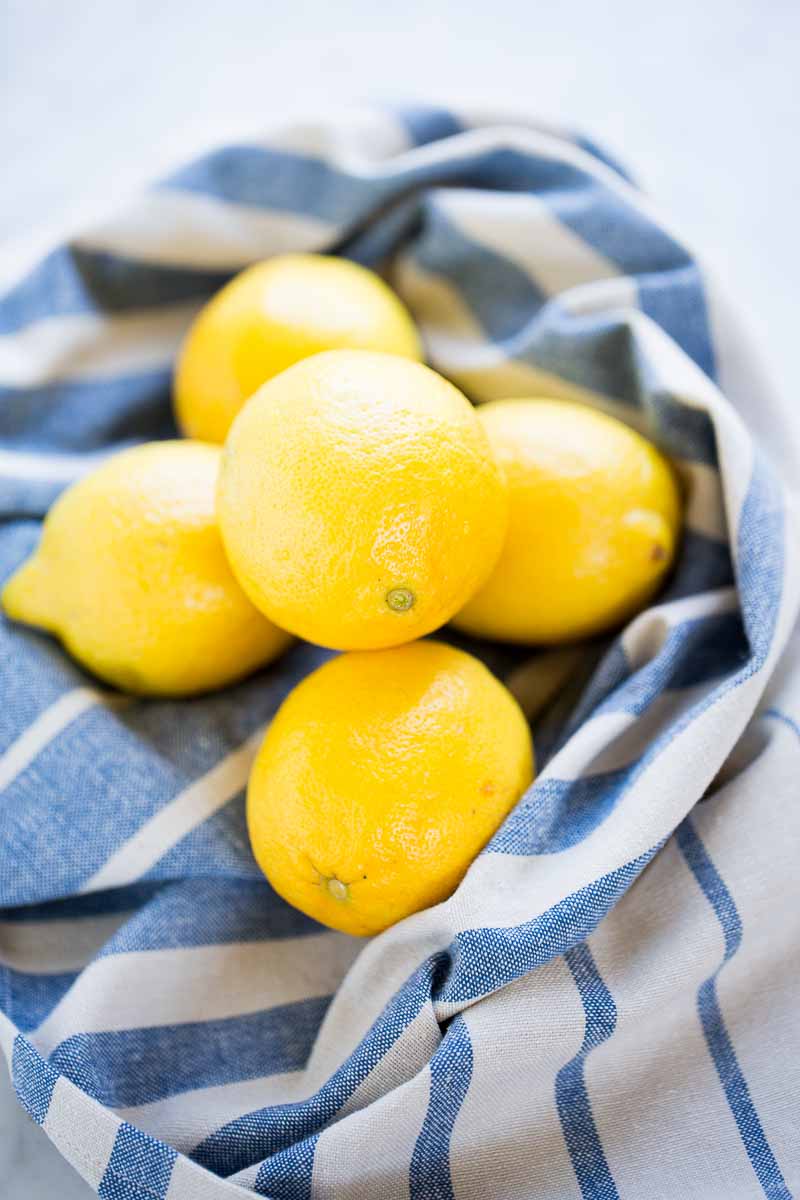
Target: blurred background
{"type": "Point", "coordinates": [700, 100]}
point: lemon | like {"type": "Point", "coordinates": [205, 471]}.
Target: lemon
{"type": "Point", "coordinates": [594, 519]}
{"type": "Point", "coordinates": [131, 575]}
{"type": "Point", "coordinates": [359, 500]}
{"type": "Point", "coordinates": [380, 779]}
{"type": "Point", "coordinates": [271, 316]}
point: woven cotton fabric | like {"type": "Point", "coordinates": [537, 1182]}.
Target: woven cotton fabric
{"type": "Point", "coordinates": [607, 1006]}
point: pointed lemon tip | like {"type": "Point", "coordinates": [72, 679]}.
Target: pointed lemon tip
{"type": "Point", "coordinates": [26, 595]}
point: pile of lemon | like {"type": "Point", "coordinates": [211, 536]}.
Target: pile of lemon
{"type": "Point", "coordinates": [360, 501]}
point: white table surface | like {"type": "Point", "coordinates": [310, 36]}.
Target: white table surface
{"type": "Point", "coordinates": [701, 99]}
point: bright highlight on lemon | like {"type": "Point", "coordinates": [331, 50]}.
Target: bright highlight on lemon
{"type": "Point", "coordinates": [360, 502]}
{"type": "Point", "coordinates": [273, 315]}
{"type": "Point", "coordinates": [132, 577]}
{"type": "Point", "coordinates": [380, 779]}
{"type": "Point", "coordinates": [594, 520]}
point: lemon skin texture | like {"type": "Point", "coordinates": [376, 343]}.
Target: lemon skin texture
{"type": "Point", "coordinates": [359, 500]}
{"type": "Point", "coordinates": [131, 575]}
{"type": "Point", "coordinates": [595, 516]}
{"type": "Point", "coordinates": [381, 778]}
{"type": "Point", "coordinates": [273, 315]}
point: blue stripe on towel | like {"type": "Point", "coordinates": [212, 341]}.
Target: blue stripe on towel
{"type": "Point", "coordinates": [139, 1166]}
{"type": "Point", "coordinates": [450, 1072]}
{"type": "Point", "coordinates": [74, 280]}
{"type": "Point", "coordinates": [574, 1107]}
{"type": "Point", "coordinates": [136, 1066]}
{"type": "Point", "coordinates": [34, 1079]}
{"type": "Point", "coordinates": [28, 997]}
{"type": "Point", "coordinates": [675, 300]}
{"type": "Point", "coordinates": [515, 950]}
{"type": "Point", "coordinates": [128, 899]}
{"type": "Point", "coordinates": [718, 1039]}
{"type": "Point", "coordinates": [784, 718]}
{"type": "Point", "coordinates": [80, 415]}
{"type": "Point", "coordinates": [94, 755]}
{"type": "Point", "coordinates": [694, 652]}
{"type": "Point", "coordinates": [287, 1175]}
{"type": "Point", "coordinates": [426, 123]}
{"type": "Point", "coordinates": [557, 813]}
{"type": "Point", "coordinates": [502, 297]}
{"type": "Point", "coordinates": [761, 558]}
{"type": "Point", "coordinates": [219, 847]}
{"type": "Point", "coordinates": [207, 911]}
{"type": "Point", "coordinates": [267, 1131]}
{"type": "Point", "coordinates": [554, 813]}
{"type": "Point", "coordinates": [269, 178]}
{"type": "Point", "coordinates": [603, 155]}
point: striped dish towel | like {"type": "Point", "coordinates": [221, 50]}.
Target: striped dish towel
{"type": "Point", "coordinates": [607, 1006]}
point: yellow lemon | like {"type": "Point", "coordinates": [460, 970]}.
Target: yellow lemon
{"type": "Point", "coordinates": [132, 577]}
{"type": "Point", "coordinates": [381, 778]}
{"type": "Point", "coordinates": [273, 315]}
{"type": "Point", "coordinates": [594, 519]}
{"type": "Point", "coordinates": [359, 500]}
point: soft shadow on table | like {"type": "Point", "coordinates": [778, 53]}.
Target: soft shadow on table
{"type": "Point", "coordinates": [30, 1166]}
